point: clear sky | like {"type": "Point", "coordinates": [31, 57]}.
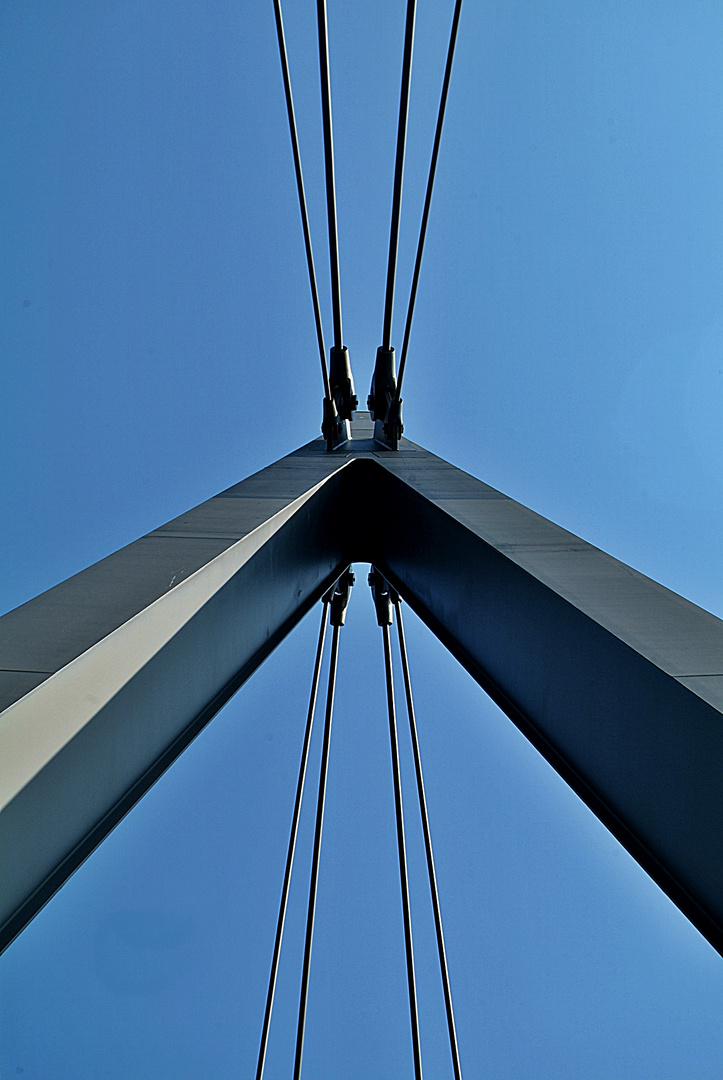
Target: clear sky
{"type": "Point", "coordinates": [158, 346]}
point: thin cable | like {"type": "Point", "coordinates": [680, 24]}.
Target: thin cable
{"type": "Point", "coordinates": [316, 854]}
{"type": "Point", "coordinates": [292, 844]}
{"type": "Point", "coordinates": [416, 1047]}
{"type": "Point", "coordinates": [329, 168]}
{"type": "Point", "coordinates": [428, 196]}
{"type": "Point", "coordinates": [302, 195]}
{"type": "Point", "coordinates": [399, 172]}
{"type": "Point", "coordinates": [428, 846]}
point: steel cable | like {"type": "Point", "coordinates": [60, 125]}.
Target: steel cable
{"type": "Point", "coordinates": [428, 196]}
{"type": "Point", "coordinates": [321, 797]}
{"type": "Point", "coordinates": [302, 196]}
{"type": "Point", "coordinates": [399, 173]}
{"type": "Point", "coordinates": [428, 847]}
{"type": "Point", "coordinates": [329, 170]}
{"type": "Point", "coordinates": [401, 850]}
{"type": "Point", "coordinates": [292, 844]}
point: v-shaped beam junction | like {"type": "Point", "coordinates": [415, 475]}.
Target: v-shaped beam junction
{"type": "Point", "coordinates": [105, 678]}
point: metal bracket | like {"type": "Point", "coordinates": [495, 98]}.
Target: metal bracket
{"type": "Point", "coordinates": [385, 597]}
{"type": "Point", "coordinates": [340, 409]}
{"type": "Point", "coordinates": [338, 597]}
{"type": "Point", "coordinates": [384, 405]}
{"type": "Point", "coordinates": [335, 430]}
{"type": "Point", "coordinates": [342, 383]}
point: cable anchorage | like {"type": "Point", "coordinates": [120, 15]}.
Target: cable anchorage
{"type": "Point", "coordinates": [339, 409]}
{"type": "Point", "coordinates": [385, 399]}
{"type": "Point", "coordinates": [341, 402]}
{"type": "Point", "coordinates": [388, 425]}
{"type": "Point", "coordinates": [385, 406]}
{"type": "Point", "coordinates": [332, 426]}
{"type": "Point", "coordinates": [342, 382]}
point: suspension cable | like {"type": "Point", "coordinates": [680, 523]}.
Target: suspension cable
{"type": "Point", "coordinates": [321, 798]}
{"type": "Point", "coordinates": [302, 195]}
{"type": "Point", "coordinates": [428, 844]}
{"type": "Point", "coordinates": [384, 597]}
{"type": "Point", "coordinates": [428, 196]}
{"type": "Point", "coordinates": [398, 173]}
{"type": "Point", "coordinates": [401, 849]}
{"type": "Point", "coordinates": [329, 168]}
{"type": "Point", "coordinates": [339, 596]}
{"type": "Point", "coordinates": [292, 843]}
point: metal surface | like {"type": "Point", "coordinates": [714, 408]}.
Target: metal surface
{"type": "Point", "coordinates": [108, 676]}
{"type": "Point", "coordinates": [334, 430]}
{"type": "Point", "coordinates": [342, 383]}
{"type": "Point", "coordinates": [384, 408]}
{"type": "Point", "coordinates": [134, 655]}
{"type": "Point", "coordinates": [615, 679]}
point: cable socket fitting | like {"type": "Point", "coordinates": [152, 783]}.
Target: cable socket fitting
{"type": "Point", "coordinates": [338, 598]}
{"type": "Point", "coordinates": [384, 384]}
{"type": "Point", "coordinates": [394, 427]}
{"type": "Point", "coordinates": [333, 428]}
{"type": "Point", "coordinates": [384, 406]}
{"type": "Point", "coordinates": [341, 381]}
{"type": "Point", "coordinates": [385, 597]}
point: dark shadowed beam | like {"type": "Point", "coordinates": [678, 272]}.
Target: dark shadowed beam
{"type": "Point", "coordinates": [615, 679]}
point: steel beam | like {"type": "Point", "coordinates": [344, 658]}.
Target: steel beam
{"type": "Point", "coordinates": [126, 661]}
{"type": "Point", "coordinates": [616, 680]}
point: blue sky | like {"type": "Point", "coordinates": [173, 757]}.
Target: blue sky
{"type": "Point", "coordinates": [158, 345]}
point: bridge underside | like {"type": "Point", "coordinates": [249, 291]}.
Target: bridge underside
{"type": "Point", "coordinates": [106, 678]}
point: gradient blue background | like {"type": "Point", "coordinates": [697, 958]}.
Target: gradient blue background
{"type": "Point", "coordinates": [158, 345]}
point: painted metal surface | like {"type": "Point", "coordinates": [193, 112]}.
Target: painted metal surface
{"type": "Point", "coordinates": [135, 654]}
{"type": "Point", "coordinates": [107, 677]}
{"type": "Point", "coordinates": [616, 680]}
